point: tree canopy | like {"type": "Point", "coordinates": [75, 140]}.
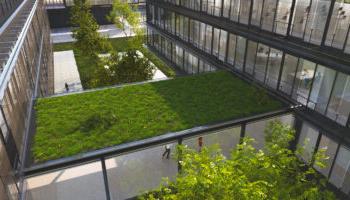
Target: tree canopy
{"type": "Point", "coordinates": [274, 172]}
{"type": "Point", "coordinates": [118, 67]}
{"type": "Point", "coordinates": [88, 40]}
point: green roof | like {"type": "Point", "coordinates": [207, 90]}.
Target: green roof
{"type": "Point", "coordinates": [77, 123]}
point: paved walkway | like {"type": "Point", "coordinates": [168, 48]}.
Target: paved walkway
{"type": "Point", "coordinates": [66, 71]}
{"type": "Point", "coordinates": [61, 35]}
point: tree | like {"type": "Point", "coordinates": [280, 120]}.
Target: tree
{"type": "Point", "coordinates": [88, 41]}
{"type": "Point", "coordinates": [125, 67]}
{"type": "Point", "coordinates": [272, 173]}
{"type": "Point", "coordinates": [123, 15]}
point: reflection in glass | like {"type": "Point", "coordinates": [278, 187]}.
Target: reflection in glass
{"type": "Point", "coordinates": [330, 148]}
{"type": "Point", "coordinates": [282, 16]}
{"type": "Point", "coordinates": [134, 173]}
{"type": "Point", "coordinates": [227, 139]}
{"type": "Point", "coordinates": [303, 80]}
{"type": "Point", "coordinates": [269, 12]}
{"type": "Point", "coordinates": [321, 88]}
{"type": "Point", "coordinates": [339, 104]}
{"type": "Point", "coordinates": [240, 51]}
{"type": "Point", "coordinates": [273, 68]}
{"type": "Point", "coordinates": [261, 61]}
{"type": "Point", "coordinates": [257, 12]}
{"type": "Point", "coordinates": [223, 44]}
{"type": "Point", "coordinates": [231, 49]}
{"type": "Point", "coordinates": [307, 141]}
{"type": "Point", "coordinates": [256, 130]}
{"type": "Point", "coordinates": [288, 73]}
{"type": "Point", "coordinates": [340, 175]}
{"type": "Point", "coordinates": [339, 25]}
{"type": "Point", "coordinates": [251, 53]}
{"type": "Point", "coordinates": [216, 39]}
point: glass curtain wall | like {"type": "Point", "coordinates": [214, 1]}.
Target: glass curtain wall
{"type": "Point", "coordinates": [339, 104]}
{"type": "Point", "coordinates": [339, 25]}
{"type": "Point", "coordinates": [321, 88]}
{"type": "Point", "coordinates": [184, 60]}
{"type": "Point", "coordinates": [308, 20]}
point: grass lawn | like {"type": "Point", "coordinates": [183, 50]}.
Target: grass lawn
{"type": "Point", "coordinates": [78, 123]}
{"type": "Point", "coordinates": [86, 69]}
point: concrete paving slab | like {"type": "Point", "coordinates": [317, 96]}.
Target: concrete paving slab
{"type": "Point", "coordinates": [66, 71]}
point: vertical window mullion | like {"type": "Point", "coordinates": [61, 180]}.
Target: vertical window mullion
{"type": "Point", "coordinates": [311, 87]}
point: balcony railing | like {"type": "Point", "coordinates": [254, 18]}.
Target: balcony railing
{"type": "Point", "coordinates": [127, 170]}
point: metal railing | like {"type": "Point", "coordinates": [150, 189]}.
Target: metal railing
{"type": "Point", "coordinates": [108, 167]}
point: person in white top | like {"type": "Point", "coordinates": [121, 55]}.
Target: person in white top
{"type": "Point", "coordinates": [167, 151]}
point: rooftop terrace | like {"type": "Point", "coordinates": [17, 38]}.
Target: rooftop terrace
{"type": "Point", "coordinates": [72, 124]}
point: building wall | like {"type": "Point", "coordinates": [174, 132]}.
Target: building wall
{"type": "Point", "coordinates": [30, 75]}
{"type": "Point", "coordinates": [310, 21]}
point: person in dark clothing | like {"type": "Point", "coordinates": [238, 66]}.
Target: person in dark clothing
{"type": "Point", "coordinates": [67, 87]}
{"type": "Point", "coordinates": [200, 143]}
{"type": "Point", "coordinates": [167, 151]}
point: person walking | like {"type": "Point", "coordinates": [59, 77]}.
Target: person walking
{"type": "Point", "coordinates": [167, 151]}
{"type": "Point", "coordinates": [66, 86]}
{"type": "Point", "coordinates": [200, 143]}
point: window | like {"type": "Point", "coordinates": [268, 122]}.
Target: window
{"type": "Point", "coordinates": [340, 175]}
{"type": "Point", "coordinates": [268, 16]}
{"type": "Point", "coordinates": [231, 49]}
{"type": "Point", "coordinates": [330, 150]}
{"type": "Point", "coordinates": [303, 80]}
{"type": "Point", "coordinates": [251, 54]}
{"type": "Point", "coordinates": [273, 68]}
{"type": "Point", "coordinates": [234, 15]}
{"type": "Point", "coordinates": [339, 104]}
{"type": "Point", "coordinates": [208, 36]}
{"type": "Point", "coordinates": [316, 21]}
{"type": "Point", "coordinates": [309, 20]}
{"type": "Point", "coordinates": [307, 140]}
{"type": "Point", "coordinates": [288, 73]}
{"type": "Point", "coordinates": [226, 10]}
{"type": "Point", "coordinates": [244, 11]}
{"type": "Point", "coordinates": [339, 25]}
{"type": "Point", "coordinates": [321, 89]}
{"type": "Point", "coordinates": [240, 52]}
{"type": "Point", "coordinates": [223, 43]}
{"type": "Point", "coordinates": [216, 39]}
{"type": "Point", "coordinates": [301, 12]}
{"type": "Point", "coordinates": [282, 17]}
{"type": "Point", "coordinates": [261, 61]}
{"type": "Point", "coordinates": [257, 12]}
{"type": "Point", "coordinates": [202, 35]}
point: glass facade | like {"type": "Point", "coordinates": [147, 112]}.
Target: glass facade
{"type": "Point", "coordinates": [307, 22]}
{"type": "Point", "coordinates": [316, 86]}
{"type": "Point", "coordinates": [180, 57]}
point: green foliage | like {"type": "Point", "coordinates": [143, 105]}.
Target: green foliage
{"type": "Point", "coordinates": [98, 121]}
{"type": "Point", "coordinates": [125, 68]}
{"type": "Point", "coordinates": [92, 77]}
{"type": "Point", "coordinates": [88, 40]}
{"type": "Point", "coordinates": [249, 174]}
{"type": "Point", "coordinates": [125, 15]}
{"type": "Point", "coordinates": [262, 95]}
{"type": "Point", "coordinates": [141, 111]}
